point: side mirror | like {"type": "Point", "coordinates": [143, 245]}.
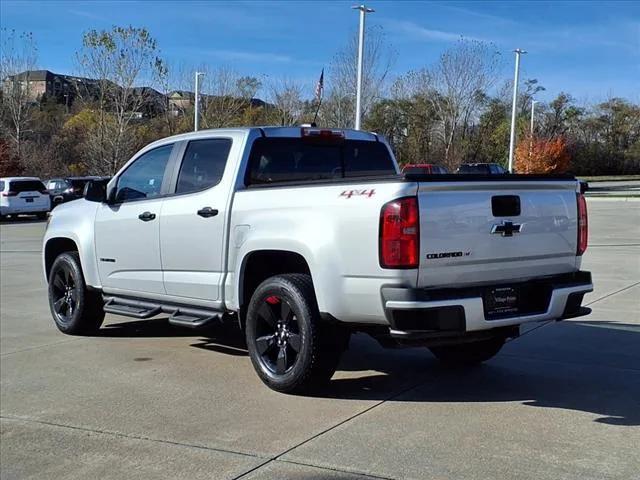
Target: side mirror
{"type": "Point", "coordinates": [96, 190]}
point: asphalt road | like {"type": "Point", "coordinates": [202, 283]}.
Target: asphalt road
{"type": "Point", "coordinates": [628, 188]}
{"type": "Point", "coordinates": [144, 400]}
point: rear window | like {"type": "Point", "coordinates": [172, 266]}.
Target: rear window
{"type": "Point", "coordinates": [78, 184]}
{"type": "Point", "coordinates": [275, 160]}
{"type": "Point", "coordinates": [26, 186]}
{"type": "Point", "coordinates": [473, 169]}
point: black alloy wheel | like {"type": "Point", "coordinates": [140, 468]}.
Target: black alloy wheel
{"type": "Point", "coordinates": [76, 309]}
{"type": "Point", "coordinates": [64, 294]}
{"type": "Point", "coordinates": [291, 348]}
{"type": "Point", "coordinates": [279, 339]}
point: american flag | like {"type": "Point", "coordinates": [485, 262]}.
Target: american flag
{"type": "Point", "coordinates": [320, 86]}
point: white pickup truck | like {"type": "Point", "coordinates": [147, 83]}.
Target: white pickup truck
{"type": "Point", "coordinates": [305, 235]}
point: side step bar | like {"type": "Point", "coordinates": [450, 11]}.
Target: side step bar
{"type": "Point", "coordinates": [180, 315]}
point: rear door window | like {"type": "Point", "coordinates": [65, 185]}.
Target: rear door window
{"type": "Point", "coordinates": [203, 164]}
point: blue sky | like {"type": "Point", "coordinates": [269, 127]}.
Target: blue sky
{"type": "Point", "coordinates": [590, 49]}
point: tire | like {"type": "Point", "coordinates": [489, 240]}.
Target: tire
{"type": "Point", "coordinates": [75, 309]}
{"type": "Point", "coordinates": [468, 354]}
{"type": "Point", "coordinates": [291, 348]}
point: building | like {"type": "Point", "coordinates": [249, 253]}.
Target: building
{"type": "Point", "coordinates": [180, 100]}
{"type": "Point", "coordinates": [37, 84]}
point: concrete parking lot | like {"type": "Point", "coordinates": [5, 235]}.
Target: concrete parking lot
{"type": "Point", "coordinates": [146, 400]}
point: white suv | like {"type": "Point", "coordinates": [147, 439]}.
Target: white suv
{"type": "Point", "coordinates": [23, 195]}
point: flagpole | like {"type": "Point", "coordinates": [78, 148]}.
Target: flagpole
{"type": "Point", "coordinates": [315, 117]}
{"type": "Point", "coordinates": [319, 96]}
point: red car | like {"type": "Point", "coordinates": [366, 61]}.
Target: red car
{"type": "Point", "coordinates": [424, 168]}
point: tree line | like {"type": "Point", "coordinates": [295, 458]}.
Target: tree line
{"type": "Point", "coordinates": [454, 111]}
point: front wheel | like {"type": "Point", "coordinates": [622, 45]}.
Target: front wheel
{"type": "Point", "coordinates": [468, 354]}
{"type": "Point", "coordinates": [75, 309]}
{"type": "Point", "coordinates": [290, 347]}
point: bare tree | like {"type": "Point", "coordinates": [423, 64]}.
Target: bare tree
{"type": "Point", "coordinates": [225, 95]}
{"type": "Point", "coordinates": [286, 96]}
{"type": "Point", "coordinates": [18, 57]}
{"type": "Point", "coordinates": [119, 59]}
{"type": "Point", "coordinates": [339, 106]}
{"type": "Point", "coordinates": [172, 77]}
{"type": "Point", "coordinates": [456, 87]}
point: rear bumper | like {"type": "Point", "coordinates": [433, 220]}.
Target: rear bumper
{"type": "Point", "coordinates": [24, 209]}
{"type": "Point", "coordinates": [414, 313]}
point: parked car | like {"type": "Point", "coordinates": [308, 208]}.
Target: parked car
{"type": "Point", "coordinates": [481, 169]}
{"type": "Point", "coordinates": [67, 188]}
{"type": "Point", "coordinates": [23, 195]}
{"type": "Point", "coordinates": [302, 236]}
{"type": "Point", "coordinates": [423, 168]}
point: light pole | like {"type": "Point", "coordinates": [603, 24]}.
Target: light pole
{"type": "Point", "coordinates": [512, 139]}
{"type": "Point", "coordinates": [533, 110]}
{"type": "Point", "coordinates": [363, 11]}
{"type": "Point", "coordinates": [196, 112]}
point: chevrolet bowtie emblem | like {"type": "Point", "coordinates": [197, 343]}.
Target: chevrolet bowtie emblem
{"type": "Point", "coordinates": [507, 229]}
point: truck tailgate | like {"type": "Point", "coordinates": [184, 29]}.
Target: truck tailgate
{"type": "Point", "coordinates": [477, 232]}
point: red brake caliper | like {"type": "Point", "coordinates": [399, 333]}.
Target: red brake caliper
{"type": "Point", "coordinates": [273, 300]}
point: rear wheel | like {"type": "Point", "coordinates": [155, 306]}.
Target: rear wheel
{"type": "Point", "coordinates": [75, 309]}
{"type": "Point", "coordinates": [290, 347]}
{"type": "Point", "coordinates": [468, 354]}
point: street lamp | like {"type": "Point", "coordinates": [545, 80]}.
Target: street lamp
{"type": "Point", "coordinates": [512, 139]}
{"type": "Point", "coordinates": [363, 11]}
{"type": "Point", "coordinates": [533, 109]}
{"type": "Point", "coordinates": [196, 113]}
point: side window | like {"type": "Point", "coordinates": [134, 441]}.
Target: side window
{"type": "Point", "coordinates": [143, 178]}
{"type": "Point", "coordinates": [1, 185]}
{"type": "Point", "coordinates": [203, 164]}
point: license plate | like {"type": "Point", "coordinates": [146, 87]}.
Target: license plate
{"type": "Point", "coordinates": [29, 200]}
{"type": "Point", "coordinates": [501, 301]}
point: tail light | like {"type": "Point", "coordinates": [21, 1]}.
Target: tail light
{"type": "Point", "coordinates": [583, 224]}
{"type": "Point", "coordinates": [400, 234]}
{"type": "Point", "coordinates": [10, 194]}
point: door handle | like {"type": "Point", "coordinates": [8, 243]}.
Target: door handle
{"type": "Point", "coordinates": [147, 216]}
{"type": "Point", "coordinates": [207, 212]}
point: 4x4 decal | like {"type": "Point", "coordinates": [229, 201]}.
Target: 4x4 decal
{"type": "Point", "coordinates": [351, 193]}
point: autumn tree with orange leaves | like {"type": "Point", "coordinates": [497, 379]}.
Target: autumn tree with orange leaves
{"type": "Point", "coordinates": [540, 155]}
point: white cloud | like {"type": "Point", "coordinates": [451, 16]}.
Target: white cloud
{"type": "Point", "coordinates": [245, 56]}
{"type": "Point", "coordinates": [418, 32]}
{"type": "Point", "coordinates": [85, 14]}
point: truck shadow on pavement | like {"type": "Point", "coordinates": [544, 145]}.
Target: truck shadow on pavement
{"type": "Point", "coordinates": [592, 367]}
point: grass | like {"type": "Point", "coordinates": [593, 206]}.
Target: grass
{"type": "Point", "coordinates": [611, 178]}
